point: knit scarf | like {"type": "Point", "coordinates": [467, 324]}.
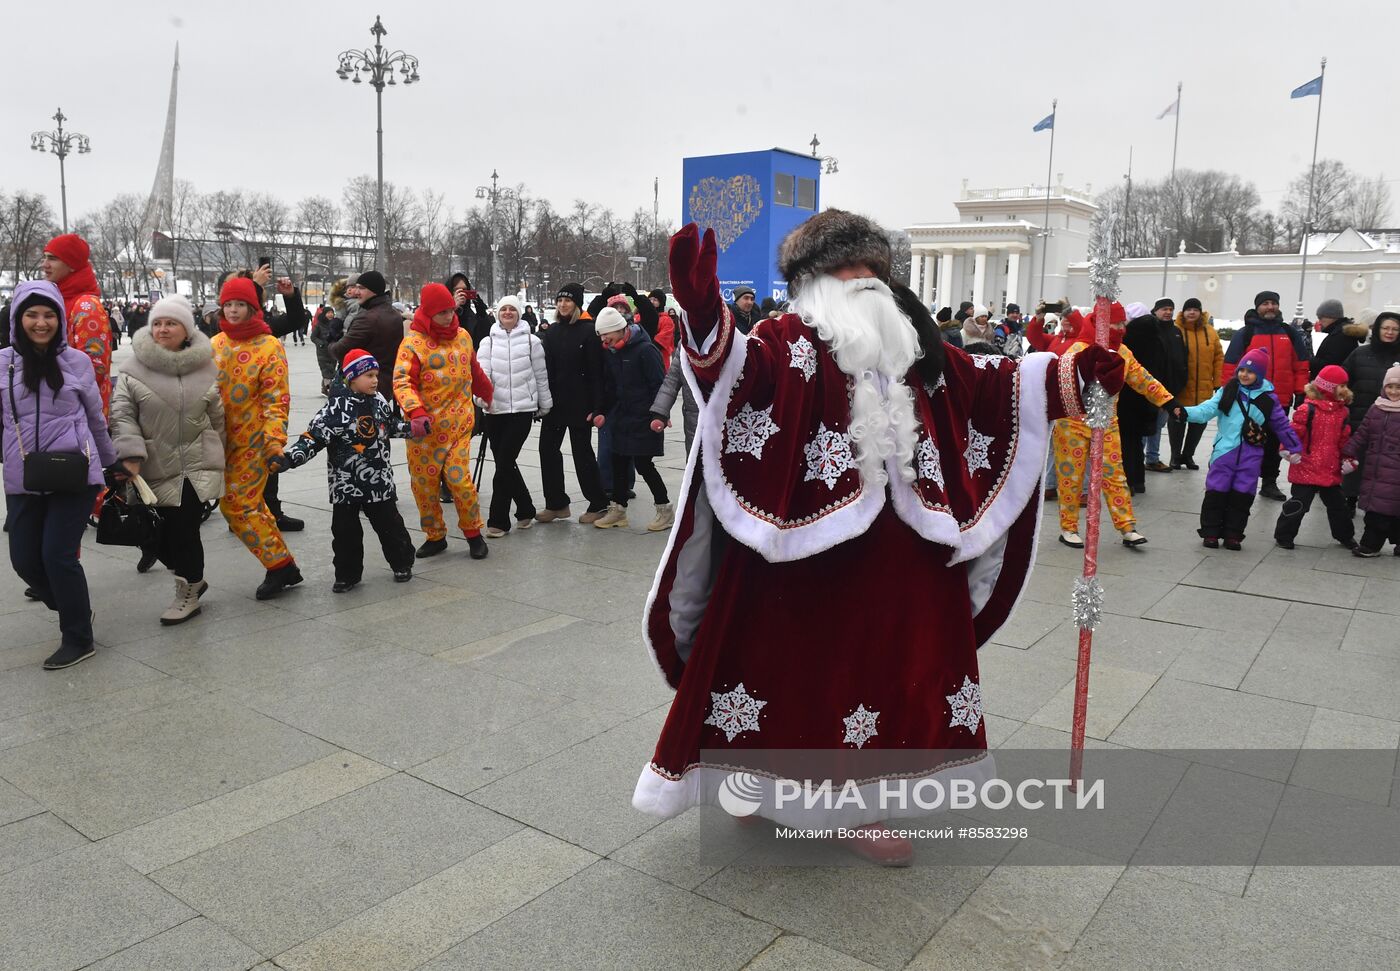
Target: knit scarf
{"type": "Point", "coordinates": [247, 330]}
{"type": "Point", "coordinates": [1385, 404]}
{"type": "Point", "coordinates": [424, 325]}
{"type": "Point", "coordinates": [77, 283]}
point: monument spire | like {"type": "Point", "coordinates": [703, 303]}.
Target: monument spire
{"type": "Point", "coordinates": [158, 216]}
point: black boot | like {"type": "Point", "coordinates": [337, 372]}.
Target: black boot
{"type": "Point", "coordinates": [148, 560]}
{"type": "Point", "coordinates": [1270, 490]}
{"type": "Point", "coordinates": [1289, 519]}
{"type": "Point", "coordinates": [278, 580]}
{"type": "Point", "coordinates": [290, 524]}
{"type": "Point", "coordinates": [66, 656]}
{"type": "Point", "coordinates": [431, 547]}
{"type": "Point", "coordinates": [478, 547]}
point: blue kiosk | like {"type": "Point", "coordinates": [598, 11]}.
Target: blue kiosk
{"type": "Point", "coordinates": [751, 200]}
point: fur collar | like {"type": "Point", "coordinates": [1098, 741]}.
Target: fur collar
{"type": "Point", "coordinates": [184, 361]}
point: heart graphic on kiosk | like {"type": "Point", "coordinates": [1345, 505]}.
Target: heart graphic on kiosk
{"type": "Point", "coordinates": [730, 206]}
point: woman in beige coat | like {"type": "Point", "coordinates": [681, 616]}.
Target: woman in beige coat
{"type": "Point", "coordinates": [168, 427]}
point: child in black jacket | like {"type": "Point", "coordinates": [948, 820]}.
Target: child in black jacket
{"type": "Point", "coordinates": [356, 425]}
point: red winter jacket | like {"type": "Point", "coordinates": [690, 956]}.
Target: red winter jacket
{"type": "Point", "coordinates": [1288, 364]}
{"type": "Point", "coordinates": [1321, 425]}
{"type": "Point", "coordinates": [1055, 343]}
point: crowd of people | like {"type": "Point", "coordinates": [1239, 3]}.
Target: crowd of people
{"type": "Point", "coordinates": [199, 414]}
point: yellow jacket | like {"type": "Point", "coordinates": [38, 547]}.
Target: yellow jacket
{"type": "Point", "coordinates": [1204, 359]}
{"type": "Point", "coordinates": [436, 378]}
{"type": "Point", "coordinates": [253, 386]}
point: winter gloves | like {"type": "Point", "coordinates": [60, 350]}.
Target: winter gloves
{"type": "Point", "coordinates": [278, 463]}
{"type": "Point", "coordinates": [420, 425]}
{"type": "Point", "coordinates": [693, 281]}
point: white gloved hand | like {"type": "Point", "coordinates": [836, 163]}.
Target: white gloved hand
{"type": "Point", "coordinates": [1292, 458]}
{"type": "Point", "coordinates": [1349, 466]}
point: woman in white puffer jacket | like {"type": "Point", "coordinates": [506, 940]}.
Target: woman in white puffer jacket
{"type": "Point", "coordinates": [513, 358]}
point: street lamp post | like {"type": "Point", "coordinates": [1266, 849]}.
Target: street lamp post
{"type": "Point", "coordinates": [493, 193]}
{"type": "Point", "coordinates": [380, 65]}
{"type": "Point", "coordinates": [61, 143]}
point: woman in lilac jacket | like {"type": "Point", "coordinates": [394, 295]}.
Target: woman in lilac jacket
{"type": "Point", "coordinates": [50, 403]}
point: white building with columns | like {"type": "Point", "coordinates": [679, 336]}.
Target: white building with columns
{"type": "Point", "coordinates": [994, 253]}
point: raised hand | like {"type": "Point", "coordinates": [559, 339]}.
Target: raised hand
{"type": "Point", "coordinates": [694, 282]}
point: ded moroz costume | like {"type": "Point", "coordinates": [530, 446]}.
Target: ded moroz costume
{"type": "Point", "coordinates": [859, 515]}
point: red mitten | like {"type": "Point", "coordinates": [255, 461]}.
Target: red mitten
{"type": "Point", "coordinates": [1097, 363]}
{"type": "Point", "coordinates": [420, 426]}
{"type": "Point", "coordinates": [693, 278]}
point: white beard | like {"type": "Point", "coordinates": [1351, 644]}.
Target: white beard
{"type": "Point", "coordinates": [874, 343]}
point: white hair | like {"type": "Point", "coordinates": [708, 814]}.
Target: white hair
{"type": "Point", "coordinates": [874, 343]}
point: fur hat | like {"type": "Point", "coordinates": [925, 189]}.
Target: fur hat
{"type": "Point", "coordinates": [609, 321]}
{"type": "Point", "coordinates": [1329, 379]}
{"type": "Point", "coordinates": [175, 308]}
{"type": "Point", "coordinates": [1257, 361]}
{"type": "Point", "coordinates": [357, 361]}
{"type": "Point", "coordinates": [830, 240]}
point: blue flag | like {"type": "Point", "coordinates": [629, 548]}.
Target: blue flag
{"type": "Point", "coordinates": [1312, 87]}
{"type": "Point", "coordinates": [1047, 122]}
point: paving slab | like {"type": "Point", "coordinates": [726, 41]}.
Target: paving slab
{"type": "Point", "coordinates": [793, 953]}
{"type": "Point", "coordinates": [35, 838]}
{"type": "Point", "coordinates": [294, 879]}
{"type": "Point", "coordinates": [609, 916]}
{"type": "Point", "coordinates": [1113, 693]}
{"type": "Point", "coordinates": [1218, 610]}
{"type": "Point", "coordinates": [197, 943]}
{"type": "Point", "coordinates": [70, 910]}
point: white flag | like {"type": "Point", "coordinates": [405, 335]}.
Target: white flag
{"type": "Point", "coordinates": [1170, 109]}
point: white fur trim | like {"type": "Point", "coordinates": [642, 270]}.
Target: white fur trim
{"type": "Point", "coordinates": [699, 786]}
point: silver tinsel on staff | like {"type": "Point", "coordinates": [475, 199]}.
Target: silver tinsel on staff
{"type": "Point", "coordinates": [1087, 602]}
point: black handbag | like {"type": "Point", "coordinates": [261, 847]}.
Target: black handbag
{"type": "Point", "coordinates": [126, 523]}
{"type": "Point", "coordinates": [47, 471]}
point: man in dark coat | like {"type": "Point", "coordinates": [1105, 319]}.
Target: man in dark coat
{"type": "Point", "coordinates": [1163, 354]}
{"type": "Point", "coordinates": [573, 358]}
{"type": "Point", "coordinates": [744, 309]}
{"type": "Point", "coordinates": [1343, 336]}
{"type": "Point", "coordinates": [377, 329]}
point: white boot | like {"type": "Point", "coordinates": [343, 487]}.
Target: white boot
{"type": "Point", "coordinates": [1131, 537]}
{"type": "Point", "coordinates": [615, 516]}
{"type": "Point", "coordinates": [186, 602]}
{"type": "Point", "coordinates": [1072, 539]}
{"type": "Point", "coordinates": [665, 516]}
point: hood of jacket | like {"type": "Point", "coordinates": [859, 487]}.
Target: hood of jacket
{"type": "Point", "coordinates": [194, 355]}
{"type": "Point", "coordinates": [43, 288]}
{"type": "Point", "coordinates": [1202, 322]}
{"type": "Point", "coordinates": [1374, 332]}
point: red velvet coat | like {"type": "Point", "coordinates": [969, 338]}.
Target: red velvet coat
{"type": "Point", "coordinates": [798, 607]}
{"type": "Point", "coordinates": [1321, 425]}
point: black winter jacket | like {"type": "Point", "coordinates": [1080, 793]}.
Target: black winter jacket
{"type": "Point", "coordinates": [1342, 338]}
{"type": "Point", "coordinates": [378, 329]}
{"type": "Point", "coordinates": [1366, 367]}
{"type": "Point", "coordinates": [1163, 354]}
{"type": "Point", "coordinates": [573, 357]}
{"type": "Point", "coordinates": [356, 428]}
{"type": "Point", "coordinates": [634, 375]}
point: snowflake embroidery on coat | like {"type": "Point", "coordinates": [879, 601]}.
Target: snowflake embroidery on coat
{"type": "Point", "coordinates": [966, 705]}
{"type": "Point", "coordinates": [975, 455]}
{"type": "Point", "coordinates": [734, 711]}
{"type": "Point", "coordinates": [929, 465]}
{"type": "Point", "coordinates": [985, 361]}
{"type": "Point", "coordinates": [828, 456]}
{"type": "Point", "coordinates": [860, 726]}
{"type": "Point", "coordinates": [803, 356]}
{"type": "Point", "coordinates": [938, 385]}
{"type": "Point", "coordinates": [749, 430]}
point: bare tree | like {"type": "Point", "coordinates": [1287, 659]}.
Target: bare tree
{"type": "Point", "coordinates": [1335, 186]}
{"type": "Point", "coordinates": [1370, 204]}
{"type": "Point", "coordinates": [26, 224]}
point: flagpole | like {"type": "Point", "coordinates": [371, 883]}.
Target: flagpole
{"type": "Point", "coordinates": [1049, 168]}
{"type": "Point", "coordinates": [1167, 244]}
{"type": "Point", "coordinates": [1312, 185]}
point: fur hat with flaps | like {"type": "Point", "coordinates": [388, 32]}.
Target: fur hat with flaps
{"type": "Point", "coordinates": [831, 240]}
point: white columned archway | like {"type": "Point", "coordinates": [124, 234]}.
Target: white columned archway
{"type": "Point", "coordinates": [926, 294]}
{"type": "Point", "coordinates": [979, 276]}
{"type": "Point", "coordinates": [916, 263]}
{"type": "Point", "coordinates": [945, 278]}
{"type": "Point", "coordinates": [1013, 276]}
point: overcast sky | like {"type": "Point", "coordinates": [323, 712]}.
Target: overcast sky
{"type": "Point", "coordinates": [594, 99]}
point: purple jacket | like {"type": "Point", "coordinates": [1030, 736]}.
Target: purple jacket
{"type": "Point", "coordinates": [1377, 443]}
{"type": "Point", "coordinates": [69, 421]}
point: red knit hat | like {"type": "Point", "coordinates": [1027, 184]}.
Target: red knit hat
{"type": "Point", "coordinates": [357, 361]}
{"type": "Point", "coordinates": [240, 288]}
{"type": "Point", "coordinates": [434, 298]}
{"type": "Point", "coordinates": [1329, 379]}
{"type": "Point", "coordinates": [71, 248]}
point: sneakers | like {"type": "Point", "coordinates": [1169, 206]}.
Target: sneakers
{"type": "Point", "coordinates": [615, 516]}
{"type": "Point", "coordinates": [1270, 490]}
{"type": "Point", "coordinates": [431, 547]}
{"type": "Point", "coordinates": [1210, 542]}
{"type": "Point", "coordinates": [290, 524]}
{"type": "Point", "coordinates": [476, 546]}
{"type": "Point", "coordinates": [186, 602]}
{"type": "Point", "coordinates": [592, 516]}
{"type": "Point", "coordinates": [491, 532]}
{"type": "Point", "coordinates": [1235, 543]}
{"type": "Point", "coordinates": [550, 515]}
{"type": "Point", "coordinates": [1072, 539]}
{"type": "Point", "coordinates": [1360, 550]}
{"type": "Point", "coordinates": [665, 517]}
{"type": "Point", "coordinates": [525, 523]}
{"type": "Point", "coordinates": [278, 580]}
{"type": "Point", "coordinates": [1350, 544]}
{"type": "Point", "coordinates": [67, 656]}
{"type": "Point", "coordinates": [341, 586]}
{"type": "Point", "coordinates": [404, 575]}
{"type": "Point", "coordinates": [148, 560]}
{"type": "Point", "coordinates": [1131, 537]}
{"type": "Point", "coordinates": [1158, 466]}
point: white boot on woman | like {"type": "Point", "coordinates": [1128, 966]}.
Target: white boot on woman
{"type": "Point", "coordinates": [186, 602]}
